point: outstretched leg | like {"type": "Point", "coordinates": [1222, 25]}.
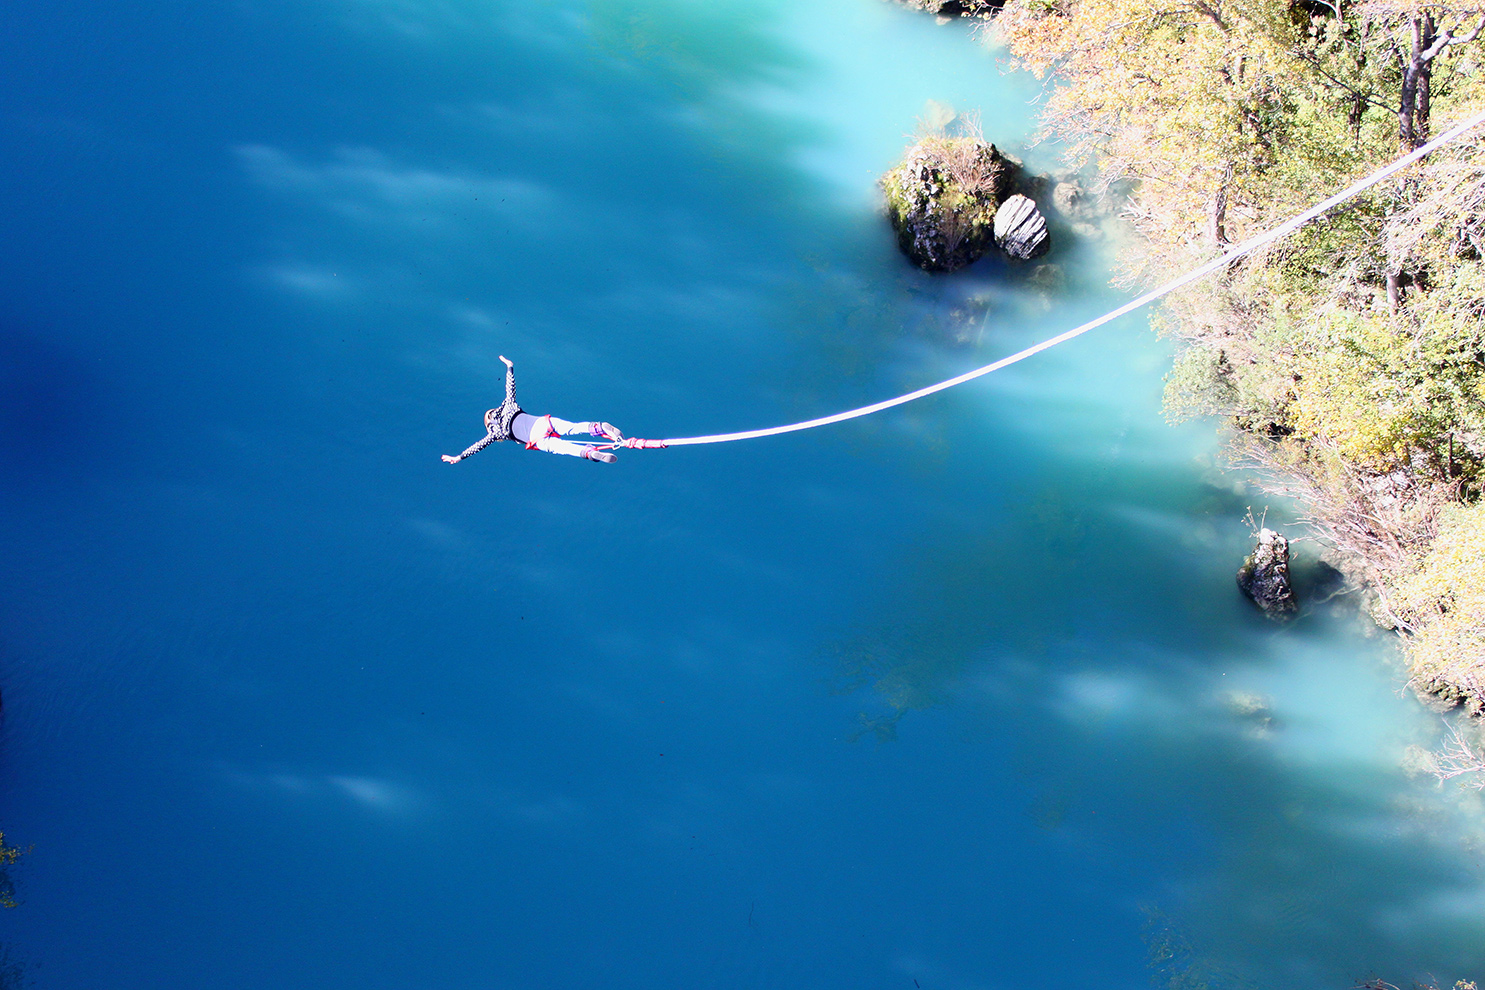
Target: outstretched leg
{"type": "Point", "coordinates": [546, 432]}
{"type": "Point", "coordinates": [590, 427]}
{"type": "Point", "coordinates": [593, 427]}
{"type": "Point", "coordinates": [553, 445]}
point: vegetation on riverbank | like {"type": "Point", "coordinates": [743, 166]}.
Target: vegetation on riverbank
{"type": "Point", "coordinates": [1349, 359]}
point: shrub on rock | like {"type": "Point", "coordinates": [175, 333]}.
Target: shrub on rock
{"type": "Point", "coordinates": [956, 8]}
{"type": "Point", "coordinates": [942, 200]}
{"type": "Point", "coordinates": [1264, 576]}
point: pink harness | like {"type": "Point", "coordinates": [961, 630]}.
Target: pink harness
{"type": "Point", "coordinates": [550, 432]}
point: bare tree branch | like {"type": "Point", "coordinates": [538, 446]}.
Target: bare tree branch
{"type": "Point", "coordinates": [1458, 758]}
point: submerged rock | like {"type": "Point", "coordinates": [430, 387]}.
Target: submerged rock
{"type": "Point", "coordinates": [1264, 576]}
{"type": "Point", "coordinates": [1253, 709]}
{"type": "Point", "coordinates": [1032, 186]}
{"type": "Point", "coordinates": [962, 323]}
{"type": "Point", "coordinates": [1047, 278]}
{"type": "Point", "coordinates": [1021, 230]}
{"type": "Point", "coordinates": [942, 200]}
{"type": "Point", "coordinates": [1071, 200]}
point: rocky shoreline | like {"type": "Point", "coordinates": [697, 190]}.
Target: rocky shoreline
{"type": "Point", "coordinates": [1348, 394]}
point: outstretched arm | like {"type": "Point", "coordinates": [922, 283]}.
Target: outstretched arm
{"type": "Point", "coordinates": [510, 380]}
{"type": "Point", "coordinates": [473, 449]}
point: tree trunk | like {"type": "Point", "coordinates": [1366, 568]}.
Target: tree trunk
{"type": "Point", "coordinates": [1217, 211]}
{"type": "Point", "coordinates": [1415, 96]}
{"type": "Point", "coordinates": [1355, 114]}
{"type": "Point", "coordinates": [1406, 107]}
{"type": "Point", "coordinates": [1420, 116]}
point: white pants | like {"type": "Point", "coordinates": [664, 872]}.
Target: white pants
{"type": "Point", "coordinates": [526, 424]}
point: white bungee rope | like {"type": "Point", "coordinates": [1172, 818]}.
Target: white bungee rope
{"type": "Point", "coordinates": [1245, 248]}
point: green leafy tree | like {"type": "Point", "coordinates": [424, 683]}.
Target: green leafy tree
{"type": "Point", "coordinates": [1351, 356]}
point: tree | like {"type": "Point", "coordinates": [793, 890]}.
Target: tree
{"type": "Point", "coordinates": [1351, 356]}
{"type": "Point", "coordinates": [1418, 42]}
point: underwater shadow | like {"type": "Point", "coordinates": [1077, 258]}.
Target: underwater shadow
{"type": "Point", "coordinates": [57, 417]}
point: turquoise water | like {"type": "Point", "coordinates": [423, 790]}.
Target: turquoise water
{"type": "Point", "coordinates": [958, 696]}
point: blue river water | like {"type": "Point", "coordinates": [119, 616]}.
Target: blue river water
{"type": "Point", "coordinates": [958, 696]}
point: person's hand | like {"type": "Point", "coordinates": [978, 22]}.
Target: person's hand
{"type": "Point", "coordinates": [507, 361]}
{"type": "Point", "coordinates": [450, 460]}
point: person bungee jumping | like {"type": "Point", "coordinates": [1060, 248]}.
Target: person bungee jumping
{"type": "Point", "coordinates": [511, 422]}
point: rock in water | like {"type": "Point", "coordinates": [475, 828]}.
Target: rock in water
{"type": "Point", "coordinates": [942, 199]}
{"type": "Point", "coordinates": [1264, 576]}
{"type": "Point", "coordinates": [955, 8]}
{"type": "Point", "coordinates": [1020, 229]}
{"type": "Point", "coordinates": [1071, 200]}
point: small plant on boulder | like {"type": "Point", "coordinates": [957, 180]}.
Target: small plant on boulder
{"type": "Point", "coordinates": [943, 197]}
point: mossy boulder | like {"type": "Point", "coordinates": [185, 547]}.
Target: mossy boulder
{"type": "Point", "coordinates": [942, 200]}
{"type": "Point", "coordinates": [956, 8]}
{"type": "Point", "coordinates": [1264, 576]}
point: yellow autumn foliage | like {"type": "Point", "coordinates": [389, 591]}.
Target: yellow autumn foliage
{"type": "Point", "coordinates": [1350, 356]}
{"type": "Point", "coordinates": [1444, 601]}
{"type": "Point", "coordinates": [1184, 98]}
